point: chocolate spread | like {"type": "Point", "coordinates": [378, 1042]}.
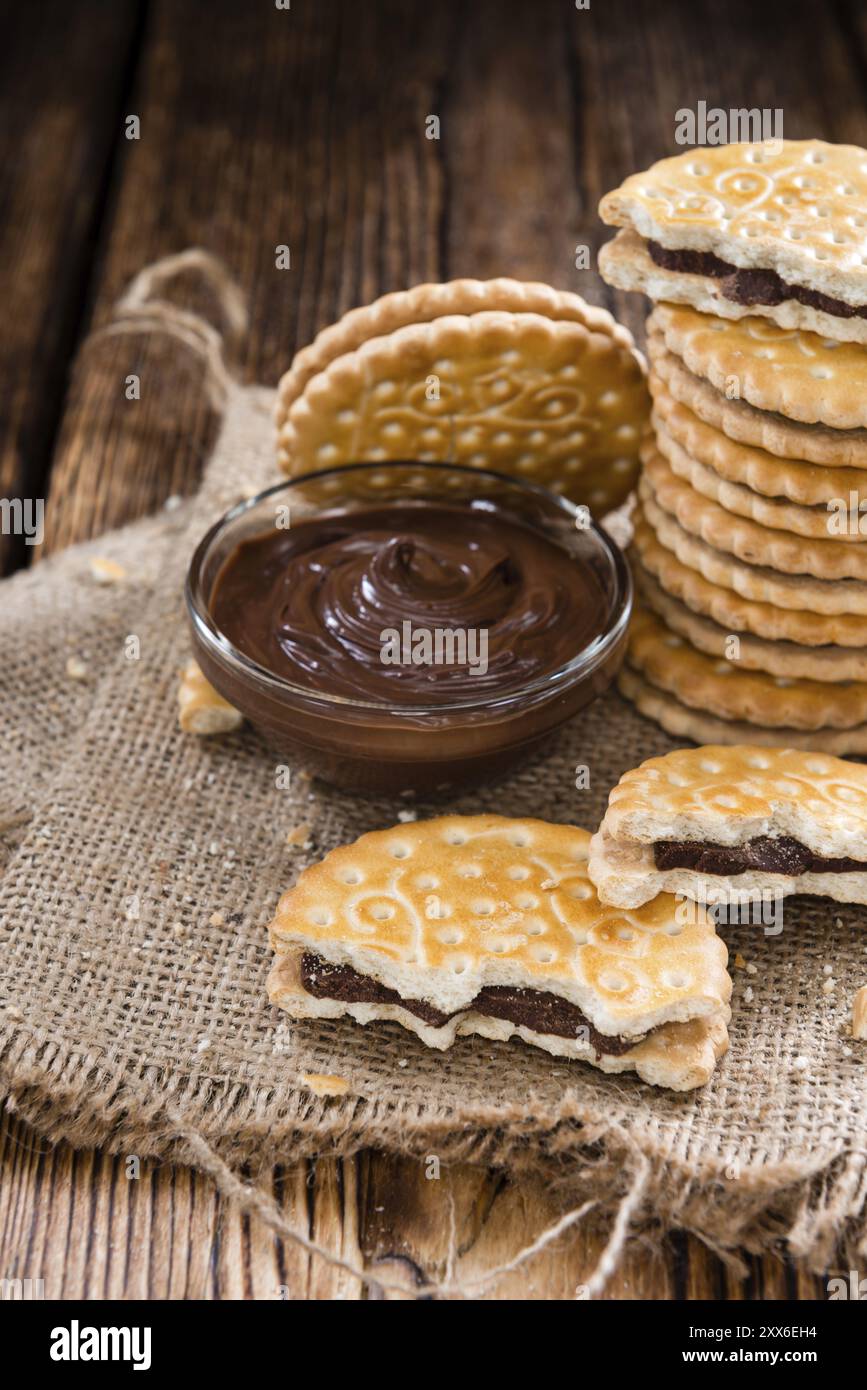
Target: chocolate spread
{"type": "Point", "coordinates": [750, 286]}
{"type": "Point", "coordinates": [311, 603]}
{"type": "Point", "coordinates": [766, 853]}
{"type": "Point", "coordinates": [537, 1009]}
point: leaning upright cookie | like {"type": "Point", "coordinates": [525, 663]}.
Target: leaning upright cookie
{"type": "Point", "coordinates": [482, 924]}
{"type": "Point", "coordinates": [701, 820]}
{"type": "Point", "coordinates": [776, 229]}
{"type": "Point", "coordinates": [493, 374]}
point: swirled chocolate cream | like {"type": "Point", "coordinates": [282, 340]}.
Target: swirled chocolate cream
{"type": "Point", "coordinates": [413, 604]}
{"type": "Point", "coordinates": [416, 645]}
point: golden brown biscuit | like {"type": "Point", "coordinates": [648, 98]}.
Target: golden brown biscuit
{"type": "Point", "coordinates": [800, 592]}
{"type": "Point", "coordinates": [821, 556]}
{"type": "Point", "coordinates": [682, 722]}
{"type": "Point", "coordinates": [800, 375]}
{"type": "Point", "coordinates": [742, 818]}
{"type": "Point", "coordinates": [780, 658]}
{"type": "Point", "coordinates": [731, 609]}
{"type": "Point", "coordinates": [828, 522]}
{"type": "Point", "coordinates": [464, 923]}
{"type": "Point", "coordinates": [763, 430]}
{"type": "Point", "coordinates": [436, 300]}
{"type": "Point", "coordinates": [795, 210]}
{"type": "Point", "coordinates": [549, 400]}
{"type": "Point", "coordinates": [723, 688]}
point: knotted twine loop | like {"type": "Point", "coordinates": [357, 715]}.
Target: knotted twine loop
{"type": "Point", "coordinates": [259, 1202]}
{"type": "Point", "coordinates": [144, 309]}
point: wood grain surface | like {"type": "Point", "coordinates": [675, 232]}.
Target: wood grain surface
{"type": "Point", "coordinates": [305, 127]}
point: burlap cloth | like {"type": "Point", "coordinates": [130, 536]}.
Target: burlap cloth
{"type": "Point", "coordinates": [141, 866]}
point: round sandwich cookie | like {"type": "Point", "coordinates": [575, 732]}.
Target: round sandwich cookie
{"type": "Point", "coordinates": [775, 229]}
{"type": "Point", "coordinates": [436, 300]}
{"type": "Point", "coordinates": [709, 823]}
{"type": "Point", "coordinates": [681, 721]}
{"type": "Point", "coordinates": [719, 687]}
{"type": "Point", "coordinates": [732, 610]}
{"type": "Point", "coordinates": [743, 424]}
{"type": "Point", "coordinates": [800, 375]}
{"type": "Point", "coordinates": [780, 658]}
{"type": "Point", "coordinates": [823, 597]}
{"type": "Point", "coordinates": [803, 485]}
{"type": "Point", "coordinates": [836, 523]}
{"type": "Point", "coordinates": [820, 558]}
{"type": "Point", "coordinates": [551, 401]}
{"type": "Point", "coordinates": [488, 925]}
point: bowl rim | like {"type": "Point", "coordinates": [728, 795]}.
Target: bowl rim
{"type": "Point", "coordinates": [576, 668]}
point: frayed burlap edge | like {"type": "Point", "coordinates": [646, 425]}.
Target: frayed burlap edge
{"type": "Point", "coordinates": [812, 1209]}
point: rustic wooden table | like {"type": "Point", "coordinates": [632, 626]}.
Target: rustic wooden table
{"type": "Point", "coordinates": [304, 126]}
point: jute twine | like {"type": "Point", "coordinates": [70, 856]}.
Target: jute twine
{"type": "Point", "coordinates": [140, 868]}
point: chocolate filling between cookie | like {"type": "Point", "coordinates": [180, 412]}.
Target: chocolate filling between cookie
{"type": "Point", "coordinates": [749, 287]}
{"type": "Point", "coordinates": [766, 853]}
{"type": "Point", "coordinates": [538, 1010]}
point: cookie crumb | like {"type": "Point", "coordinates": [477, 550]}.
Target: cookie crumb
{"type": "Point", "coordinates": [200, 709]}
{"type": "Point", "coordinates": [323, 1084]}
{"type": "Point", "coordinates": [76, 669]}
{"type": "Point", "coordinates": [105, 571]}
{"type": "Point", "coordinates": [298, 836]}
{"type": "Point", "coordinates": [216, 919]}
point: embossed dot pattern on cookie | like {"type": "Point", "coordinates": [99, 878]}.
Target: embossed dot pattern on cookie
{"type": "Point", "coordinates": [551, 401]}
{"type": "Point", "coordinates": [467, 897]}
{"type": "Point", "coordinates": [789, 204]}
{"type": "Point", "coordinates": [753, 781]}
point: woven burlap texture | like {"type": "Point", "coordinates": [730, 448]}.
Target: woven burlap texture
{"type": "Point", "coordinates": [141, 867]}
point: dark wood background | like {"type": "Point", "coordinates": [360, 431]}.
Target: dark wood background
{"type": "Point", "coordinates": [305, 127]}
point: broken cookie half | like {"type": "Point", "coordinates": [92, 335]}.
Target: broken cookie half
{"type": "Point", "coordinates": [735, 822]}
{"type": "Point", "coordinates": [487, 925]}
{"type": "Point", "coordinates": [775, 229]}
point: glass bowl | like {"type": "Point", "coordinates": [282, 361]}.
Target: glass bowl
{"type": "Point", "coordinates": [374, 746]}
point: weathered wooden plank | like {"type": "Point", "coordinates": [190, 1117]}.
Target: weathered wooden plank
{"type": "Point", "coordinates": [315, 151]}
{"type": "Point", "coordinates": [513, 206]}
{"type": "Point", "coordinates": [90, 1229]}
{"type": "Point", "coordinates": [61, 86]}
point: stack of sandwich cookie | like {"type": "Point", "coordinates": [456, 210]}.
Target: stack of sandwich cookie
{"type": "Point", "coordinates": [747, 547]}
{"type": "Point", "coordinates": [499, 374]}
{"type": "Point", "coordinates": [491, 926]}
